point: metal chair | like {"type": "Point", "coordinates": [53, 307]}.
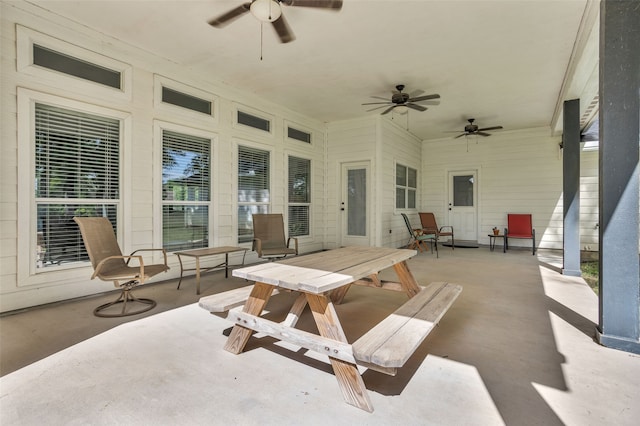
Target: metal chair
{"type": "Point", "coordinates": [430, 226]}
{"type": "Point", "coordinates": [417, 237]}
{"type": "Point", "coordinates": [520, 226]}
{"type": "Point", "coordinates": [268, 237]}
{"type": "Point", "coordinates": [110, 265]}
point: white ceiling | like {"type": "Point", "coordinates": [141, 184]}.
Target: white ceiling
{"type": "Point", "coordinates": [501, 62]}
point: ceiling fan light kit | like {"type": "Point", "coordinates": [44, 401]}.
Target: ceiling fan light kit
{"type": "Point", "coordinates": [266, 10]}
{"type": "Point", "coordinates": [270, 11]}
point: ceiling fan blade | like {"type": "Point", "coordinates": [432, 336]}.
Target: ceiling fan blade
{"type": "Point", "coordinates": [230, 16]}
{"type": "Point", "coordinates": [416, 107]}
{"type": "Point", "coordinates": [424, 98]}
{"type": "Point", "coordinates": [377, 103]}
{"type": "Point", "coordinates": [461, 135]}
{"type": "Point", "coordinates": [375, 108]}
{"type": "Point", "coordinates": [388, 109]}
{"type": "Point", "coordinates": [482, 133]}
{"type": "Point", "coordinates": [490, 128]}
{"type": "Point", "coordinates": [325, 4]}
{"type": "Point", "coordinates": [283, 30]}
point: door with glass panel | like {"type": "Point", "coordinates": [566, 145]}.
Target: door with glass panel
{"type": "Point", "coordinates": [463, 200]}
{"type": "Point", "coordinates": [354, 206]}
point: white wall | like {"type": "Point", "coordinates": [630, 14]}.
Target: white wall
{"type": "Point", "coordinates": [139, 224]}
{"type": "Point", "coordinates": [589, 240]}
{"type": "Point", "coordinates": [382, 143]}
{"type": "Point", "coordinates": [518, 172]}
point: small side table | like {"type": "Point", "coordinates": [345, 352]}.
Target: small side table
{"type": "Point", "coordinates": [204, 252]}
{"type": "Point", "coordinates": [492, 241]}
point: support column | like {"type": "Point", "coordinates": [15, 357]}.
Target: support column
{"type": "Point", "coordinates": [571, 188]}
{"type": "Point", "coordinates": [619, 323]}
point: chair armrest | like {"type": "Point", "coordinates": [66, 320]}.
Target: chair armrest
{"type": "Point", "coordinates": [164, 253]}
{"type": "Point", "coordinates": [257, 246]}
{"type": "Point", "coordinates": [100, 265]}
{"type": "Point", "coordinates": [446, 226]}
{"type": "Point", "coordinates": [295, 240]}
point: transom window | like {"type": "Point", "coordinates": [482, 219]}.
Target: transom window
{"type": "Point", "coordinates": [253, 188]}
{"type": "Point", "coordinates": [406, 186]}
{"type": "Point", "coordinates": [186, 183]}
{"type": "Point", "coordinates": [299, 196]}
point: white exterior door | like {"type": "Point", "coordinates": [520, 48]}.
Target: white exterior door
{"type": "Point", "coordinates": [355, 215]}
{"type": "Point", "coordinates": [463, 200]}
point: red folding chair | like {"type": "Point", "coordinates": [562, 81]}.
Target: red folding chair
{"type": "Point", "coordinates": [519, 226]}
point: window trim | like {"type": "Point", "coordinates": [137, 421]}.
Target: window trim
{"type": "Point", "coordinates": [158, 127]}
{"type": "Point", "coordinates": [252, 111]}
{"type": "Point", "coordinates": [406, 187]}
{"type": "Point", "coordinates": [300, 128]}
{"type": "Point", "coordinates": [27, 273]}
{"type": "Point", "coordinates": [170, 111]}
{"type": "Point", "coordinates": [26, 38]}
{"type": "Point", "coordinates": [308, 204]}
{"type": "Point", "coordinates": [237, 142]}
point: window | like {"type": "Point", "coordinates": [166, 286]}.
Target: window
{"type": "Point", "coordinates": [299, 196]}
{"type": "Point", "coordinates": [406, 184]}
{"type": "Point", "coordinates": [76, 67]}
{"type": "Point", "coordinates": [299, 135]}
{"type": "Point", "coordinates": [77, 173]}
{"type": "Point", "coordinates": [186, 171]}
{"type": "Point", "coordinates": [254, 121]}
{"type": "Point", "coordinates": [184, 100]}
{"type": "Point", "coordinates": [253, 188]}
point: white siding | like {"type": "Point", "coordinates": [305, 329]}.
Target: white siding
{"type": "Point", "coordinates": [589, 240]}
{"type": "Point", "coordinates": [397, 146]}
{"type": "Point", "coordinates": [347, 141]}
{"type": "Point", "coordinates": [140, 224]}
{"type": "Point", "coordinates": [518, 172]}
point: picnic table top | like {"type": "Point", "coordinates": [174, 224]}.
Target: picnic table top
{"type": "Point", "coordinates": [327, 270]}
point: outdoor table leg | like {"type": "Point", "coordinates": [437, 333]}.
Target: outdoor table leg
{"type": "Point", "coordinates": [351, 384]}
{"type": "Point", "coordinates": [181, 271]}
{"type": "Point", "coordinates": [407, 279]}
{"type": "Point", "coordinates": [197, 274]}
{"type": "Point", "coordinates": [254, 305]}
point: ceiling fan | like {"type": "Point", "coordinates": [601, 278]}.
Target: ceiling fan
{"type": "Point", "coordinates": [271, 11]}
{"type": "Point", "coordinates": [472, 129]}
{"type": "Point", "coordinates": [402, 101]}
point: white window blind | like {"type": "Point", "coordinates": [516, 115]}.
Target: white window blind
{"type": "Point", "coordinates": [77, 173]}
{"type": "Point", "coordinates": [299, 196]}
{"type": "Point", "coordinates": [253, 188]}
{"type": "Point", "coordinates": [186, 171]}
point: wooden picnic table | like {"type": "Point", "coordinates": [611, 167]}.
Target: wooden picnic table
{"type": "Point", "coordinates": [322, 279]}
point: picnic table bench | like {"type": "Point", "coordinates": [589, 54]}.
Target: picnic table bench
{"type": "Point", "coordinates": [322, 279]}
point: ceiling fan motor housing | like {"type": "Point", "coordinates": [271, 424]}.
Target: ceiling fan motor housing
{"type": "Point", "coordinates": [399, 98]}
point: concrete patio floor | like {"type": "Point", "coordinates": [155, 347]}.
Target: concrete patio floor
{"type": "Point", "coordinates": [516, 348]}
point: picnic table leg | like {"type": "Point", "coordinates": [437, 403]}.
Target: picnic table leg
{"type": "Point", "coordinates": [296, 310]}
{"type": "Point", "coordinates": [407, 279]}
{"type": "Point", "coordinates": [254, 305]}
{"type": "Point", "coordinates": [351, 384]}
{"type": "Point", "coordinates": [337, 295]}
